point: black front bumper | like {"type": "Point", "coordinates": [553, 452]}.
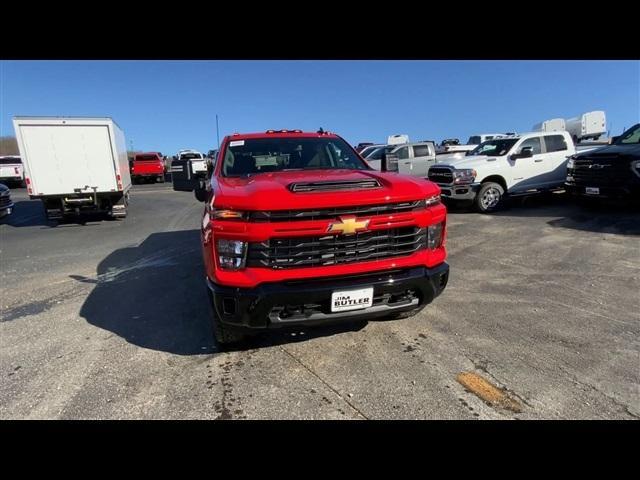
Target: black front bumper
{"type": "Point", "coordinates": [307, 302]}
{"type": "Point", "coordinates": [622, 190]}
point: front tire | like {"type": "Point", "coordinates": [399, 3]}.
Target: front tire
{"type": "Point", "coordinates": [224, 334]}
{"type": "Point", "coordinates": [490, 197]}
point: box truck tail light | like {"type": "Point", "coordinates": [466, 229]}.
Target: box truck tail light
{"type": "Point", "coordinates": [119, 179]}
{"type": "Point", "coordinates": [28, 182]}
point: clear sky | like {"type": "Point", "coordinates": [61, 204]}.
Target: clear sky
{"type": "Point", "coordinates": [168, 105]}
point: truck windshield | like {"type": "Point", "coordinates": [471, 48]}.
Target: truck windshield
{"type": "Point", "coordinates": [496, 147]}
{"type": "Point", "coordinates": [630, 136]}
{"type": "Point", "coordinates": [474, 140]}
{"type": "Point", "coordinates": [260, 155]}
{"type": "Point", "coordinates": [146, 158]}
{"type": "Point", "coordinates": [190, 156]}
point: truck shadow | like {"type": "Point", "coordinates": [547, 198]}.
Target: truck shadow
{"type": "Point", "coordinates": [30, 213]}
{"type": "Point", "coordinates": [26, 213]}
{"type": "Point", "coordinates": [154, 296]}
{"type": "Point", "coordinates": [604, 216]}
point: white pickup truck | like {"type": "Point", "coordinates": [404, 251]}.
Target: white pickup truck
{"type": "Point", "coordinates": [518, 165]}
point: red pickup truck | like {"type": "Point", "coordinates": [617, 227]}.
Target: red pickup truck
{"type": "Point", "coordinates": [299, 230]}
{"type": "Point", "coordinates": [147, 166]}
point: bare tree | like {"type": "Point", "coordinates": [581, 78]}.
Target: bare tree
{"type": "Point", "coordinates": [9, 146]}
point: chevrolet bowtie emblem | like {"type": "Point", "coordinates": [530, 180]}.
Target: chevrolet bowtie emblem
{"type": "Point", "coordinates": [348, 225]}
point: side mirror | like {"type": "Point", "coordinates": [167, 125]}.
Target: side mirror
{"type": "Point", "coordinates": [525, 152]}
{"type": "Point", "coordinates": [613, 139]}
{"type": "Point", "coordinates": [389, 162]}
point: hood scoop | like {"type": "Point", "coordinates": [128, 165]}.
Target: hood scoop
{"type": "Point", "coordinates": [332, 186]}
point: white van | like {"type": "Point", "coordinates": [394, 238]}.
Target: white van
{"type": "Point", "coordinates": [586, 126]}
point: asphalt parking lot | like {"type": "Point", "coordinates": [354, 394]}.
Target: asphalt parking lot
{"type": "Point", "coordinates": [108, 319]}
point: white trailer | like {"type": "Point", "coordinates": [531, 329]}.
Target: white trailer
{"type": "Point", "coordinates": [397, 139]}
{"type": "Point", "coordinates": [74, 165]}
{"type": "Point", "coordinates": [552, 125]}
{"type": "Point", "coordinates": [586, 126]}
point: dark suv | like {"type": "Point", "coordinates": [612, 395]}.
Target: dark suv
{"type": "Point", "coordinates": [608, 172]}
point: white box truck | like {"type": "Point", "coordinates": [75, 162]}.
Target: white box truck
{"type": "Point", "coordinates": [397, 139]}
{"type": "Point", "coordinates": [586, 126]}
{"type": "Point", "coordinates": [552, 125]}
{"type": "Point", "coordinates": [74, 165]}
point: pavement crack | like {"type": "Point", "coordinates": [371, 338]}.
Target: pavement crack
{"type": "Point", "coordinates": [324, 382]}
{"type": "Point", "coordinates": [613, 400]}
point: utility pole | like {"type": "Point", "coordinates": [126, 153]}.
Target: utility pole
{"type": "Point", "coordinates": [217, 131]}
{"type": "Point", "coordinates": [131, 144]}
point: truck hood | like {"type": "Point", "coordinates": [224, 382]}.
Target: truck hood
{"type": "Point", "coordinates": [271, 191]}
{"type": "Point", "coordinates": [473, 161]}
{"type": "Point", "coordinates": [624, 152]}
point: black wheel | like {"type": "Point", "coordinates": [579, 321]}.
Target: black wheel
{"type": "Point", "coordinates": [490, 197]}
{"type": "Point", "coordinates": [224, 334]}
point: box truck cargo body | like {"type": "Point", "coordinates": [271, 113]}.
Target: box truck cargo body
{"type": "Point", "coordinates": [586, 126]}
{"type": "Point", "coordinates": [74, 165]}
{"type": "Point", "coordinates": [552, 125]}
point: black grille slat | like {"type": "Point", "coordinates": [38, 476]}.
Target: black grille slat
{"type": "Point", "coordinates": [611, 172]}
{"type": "Point", "coordinates": [4, 201]}
{"type": "Point", "coordinates": [331, 250]}
{"type": "Point", "coordinates": [334, 212]}
{"type": "Point", "coordinates": [440, 175]}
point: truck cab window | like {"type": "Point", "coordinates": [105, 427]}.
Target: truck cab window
{"type": "Point", "coordinates": [533, 142]}
{"type": "Point", "coordinates": [403, 153]}
{"type": "Point", "coordinates": [421, 150]}
{"type": "Point", "coordinates": [555, 143]}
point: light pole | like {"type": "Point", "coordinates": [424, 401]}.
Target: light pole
{"type": "Point", "coordinates": [217, 131]}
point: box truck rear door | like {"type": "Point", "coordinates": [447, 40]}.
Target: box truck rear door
{"type": "Point", "coordinates": [65, 157]}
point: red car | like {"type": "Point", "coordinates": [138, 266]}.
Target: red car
{"type": "Point", "coordinates": [147, 166]}
{"type": "Point", "coordinates": [299, 230]}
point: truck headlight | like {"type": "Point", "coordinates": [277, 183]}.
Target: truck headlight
{"type": "Point", "coordinates": [229, 215]}
{"type": "Point", "coordinates": [232, 254]}
{"type": "Point", "coordinates": [571, 163]}
{"type": "Point", "coordinates": [464, 176]}
{"type": "Point", "coordinates": [635, 167]}
{"type": "Point", "coordinates": [434, 200]}
{"type": "Point", "coordinates": [434, 235]}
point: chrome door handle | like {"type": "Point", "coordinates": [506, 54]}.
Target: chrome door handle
{"type": "Point", "coordinates": [539, 160]}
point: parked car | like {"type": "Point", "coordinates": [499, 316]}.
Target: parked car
{"type": "Point", "coordinates": [590, 125]}
{"type": "Point", "coordinates": [74, 164]}
{"type": "Point", "coordinates": [367, 150]}
{"type": "Point", "coordinates": [610, 171]}
{"type": "Point", "coordinates": [147, 167]}
{"type": "Point", "coordinates": [363, 145]}
{"type": "Point", "coordinates": [6, 205]}
{"type": "Point", "coordinates": [526, 164]}
{"type": "Point", "coordinates": [299, 230]}
{"type": "Point", "coordinates": [413, 158]}
{"type": "Point", "coordinates": [11, 170]}
{"type": "Point", "coordinates": [483, 137]}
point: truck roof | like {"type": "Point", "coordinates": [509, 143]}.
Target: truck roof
{"type": "Point", "coordinates": [74, 118]}
{"type": "Point", "coordinates": [280, 134]}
